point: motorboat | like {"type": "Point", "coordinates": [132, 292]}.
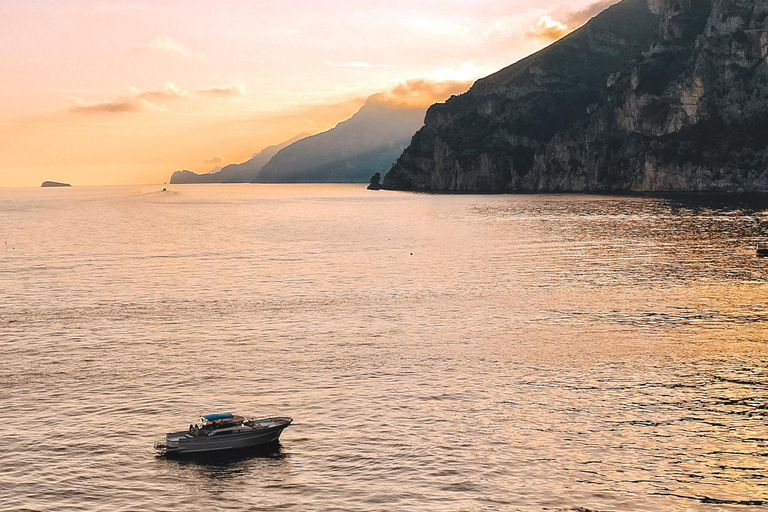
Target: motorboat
{"type": "Point", "coordinates": [219, 432]}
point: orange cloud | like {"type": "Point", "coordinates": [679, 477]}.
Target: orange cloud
{"type": "Point", "coordinates": [548, 29]}
{"type": "Point", "coordinates": [236, 88]}
{"type": "Point", "coordinates": [551, 30]}
{"type": "Point", "coordinates": [119, 105]}
{"type": "Point", "coordinates": [137, 101]}
{"type": "Point", "coordinates": [169, 92]}
{"type": "Point", "coordinates": [421, 93]}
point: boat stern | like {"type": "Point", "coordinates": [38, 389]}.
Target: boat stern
{"type": "Point", "coordinates": [171, 443]}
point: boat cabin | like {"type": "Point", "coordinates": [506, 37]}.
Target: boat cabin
{"type": "Point", "coordinates": [219, 424]}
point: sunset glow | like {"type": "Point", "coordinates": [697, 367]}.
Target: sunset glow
{"type": "Point", "coordinates": [125, 92]}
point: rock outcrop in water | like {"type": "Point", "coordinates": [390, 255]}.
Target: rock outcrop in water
{"type": "Point", "coordinates": [375, 182]}
{"type": "Point", "coordinates": [51, 184]}
{"type": "Point", "coordinates": [650, 95]}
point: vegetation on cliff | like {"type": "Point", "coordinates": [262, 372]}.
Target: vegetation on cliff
{"type": "Point", "coordinates": [650, 95]}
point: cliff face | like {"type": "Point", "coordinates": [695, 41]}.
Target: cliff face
{"type": "Point", "coordinates": [651, 95]}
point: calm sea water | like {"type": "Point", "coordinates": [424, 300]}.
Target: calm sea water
{"type": "Point", "coordinates": [438, 353]}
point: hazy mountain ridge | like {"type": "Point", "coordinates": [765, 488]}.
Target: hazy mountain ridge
{"type": "Point", "coordinates": [368, 142]}
{"type": "Point", "coordinates": [245, 172]}
{"type": "Point", "coordinates": [351, 152]}
{"type": "Point", "coordinates": [656, 95]}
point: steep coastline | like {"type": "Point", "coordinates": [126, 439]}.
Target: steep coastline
{"type": "Point", "coordinates": [650, 95]}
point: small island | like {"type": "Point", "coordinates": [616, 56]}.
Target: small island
{"type": "Point", "coordinates": [47, 184]}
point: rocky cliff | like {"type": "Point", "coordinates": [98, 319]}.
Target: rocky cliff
{"type": "Point", "coordinates": [650, 95]}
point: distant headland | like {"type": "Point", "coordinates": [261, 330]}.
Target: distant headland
{"type": "Point", "coordinates": [47, 184]}
{"type": "Point", "coordinates": [351, 152]}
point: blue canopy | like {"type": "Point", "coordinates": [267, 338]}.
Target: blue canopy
{"type": "Point", "coordinates": [214, 417]}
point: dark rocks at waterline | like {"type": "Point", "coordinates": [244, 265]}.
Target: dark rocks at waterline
{"type": "Point", "coordinates": [650, 95]}
{"type": "Point", "coordinates": [53, 184]}
{"type": "Point", "coordinates": [375, 182]}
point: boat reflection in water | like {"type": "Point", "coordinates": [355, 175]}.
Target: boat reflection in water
{"type": "Point", "coordinates": [225, 433]}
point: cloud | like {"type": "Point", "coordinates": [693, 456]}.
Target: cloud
{"type": "Point", "coordinates": [136, 101]}
{"type": "Point", "coordinates": [236, 88]}
{"type": "Point", "coordinates": [119, 105]}
{"type": "Point", "coordinates": [165, 45]}
{"type": "Point", "coordinates": [548, 29]}
{"type": "Point", "coordinates": [215, 160]}
{"type": "Point", "coordinates": [551, 30]}
{"type": "Point", "coordinates": [169, 92]}
{"type": "Point", "coordinates": [421, 92]}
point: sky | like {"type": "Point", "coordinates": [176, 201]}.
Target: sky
{"type": "Point", "coordinates": [98, 92]}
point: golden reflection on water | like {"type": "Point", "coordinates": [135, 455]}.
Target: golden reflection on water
{"type": "Point", "coordinates": [436, 352]}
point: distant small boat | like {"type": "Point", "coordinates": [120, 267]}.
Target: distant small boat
{"type": "Point", "coordinates": [762, 249]}
{"type": "Point", "coordinates": [220, 432]}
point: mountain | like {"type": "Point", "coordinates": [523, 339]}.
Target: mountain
{"type": "Point", "coordinates": [650, 95]}
{"type": "Point", "coordinates": [367, 143]}
{"type": "Point", "coordinates": [245, 172]}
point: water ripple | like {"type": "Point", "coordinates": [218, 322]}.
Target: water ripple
{"type": "Point", "coordinates": [437, 352]}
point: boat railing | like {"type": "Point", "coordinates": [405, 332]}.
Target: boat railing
{"type": "Point", "coordinates": [236, 429]}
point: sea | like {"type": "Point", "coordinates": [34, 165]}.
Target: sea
{"type": "Point", "coordinates": [436, 352]}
